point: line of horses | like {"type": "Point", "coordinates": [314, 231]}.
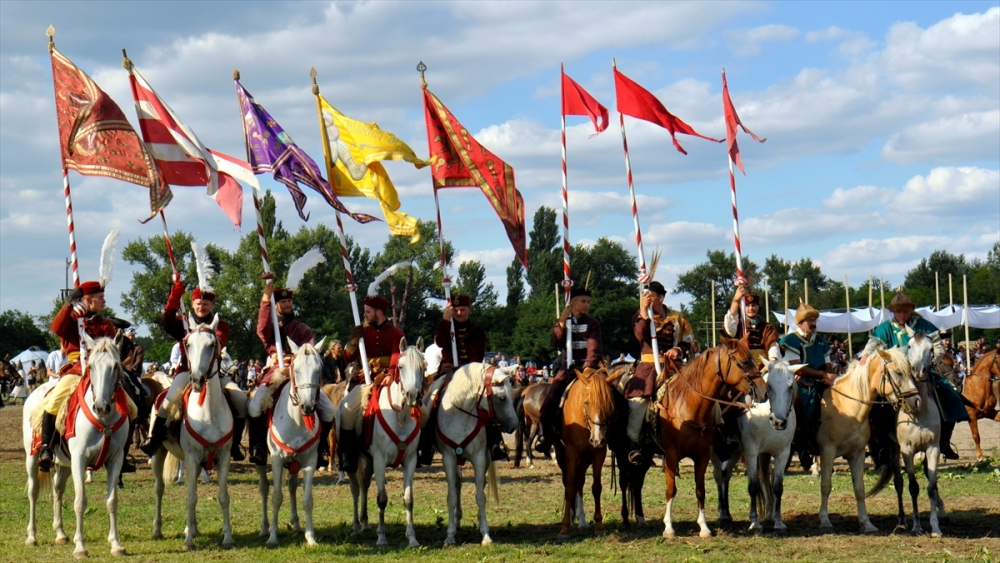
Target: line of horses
{"type": "Point", "coordinates": [457, 408]}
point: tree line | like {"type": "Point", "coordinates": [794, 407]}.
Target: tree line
{"type": "Point", "coordinates": [521, 325]}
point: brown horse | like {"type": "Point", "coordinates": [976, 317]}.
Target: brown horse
{"type": "Point", "coordinates": [336, 392]}
{"type": "Point", "coordinates": [529, 425]}
{"type": "Point", "coordinates": [687, 415]}
{"type": "Point", "coordinates": [587, 412]}
{"type": "Point", "coordinates": [979, 393]}
{"type": "Point", "coordinates": [140, 426]}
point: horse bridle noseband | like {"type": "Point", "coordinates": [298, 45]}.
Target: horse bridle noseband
{"type": "Point", "coordinates": [216, 353]}
{"type": "Point", "coordinates": [293, 395]}
{"type": "Point", "coordinates": [746, 374]}
{"type": "Point", "coordinates": [901, 396]}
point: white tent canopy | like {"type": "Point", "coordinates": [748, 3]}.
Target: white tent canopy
{"type": "Point", "coordinates": [865, 319]}
{"type": "Point", "coordinates": [29, 355]}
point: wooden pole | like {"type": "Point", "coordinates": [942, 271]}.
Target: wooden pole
{"type": "Point", "coordinates": [968, 345]}
{"type": "Point", "coordinates": [558, 312]}
{"type": "Point", "coordinates": [806, 284]}
{"type": "Point", "coordinates": [937, 293]}
{"type": "Point", "coordinates": [767, 306]}
{"type": "Point", "coordinates": [951, 298]}
{"type": "Point", "coordinates": [713, 314]}
{"type": "Point", "coordinates": [786, 306]}
{"type": "Point", "coordinates": [869, 294]}
{"type": "Point", "coordinates": [847, 294]}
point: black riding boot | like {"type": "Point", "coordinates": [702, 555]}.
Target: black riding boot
{"type": "Point", "coordinates": [549, 414]}
{"type": "Point", "coordinates": [494, 441]}
{"type": "Point", "coordinates": [128, 466]}
{"type": "Point", "coordinates": [946, 429]}
{"type": "Point", "coordinates": [157, 434]}
{"type": "Point", "coordinates": [258, 440]}
{"type": "Point", "coordinates": [235, 453]}
{"type": "Point", "coordinates": [323, 455]}
{"type": "Point", "coordinates": [45, 455]}
{"type": "Point", "coordinates": [347, 450]}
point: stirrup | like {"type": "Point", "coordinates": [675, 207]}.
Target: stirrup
{"type": "Point", "coordinates": [236, 453]}
{"type": "Point", "coordinates": [45, 460]}
{"type": "Point", "coordinates": [257, 455]}
{"type": "Point", "coordinates": [635, 457]}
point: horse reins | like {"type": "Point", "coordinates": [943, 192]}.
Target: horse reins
{"type": "Point", "coordinates": [900, 395]}
{"type": "Point", "coordinates": [485, 393]}
{"type": "Point", "coordinates": [718, 373]}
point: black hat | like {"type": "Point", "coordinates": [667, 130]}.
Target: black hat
{"type": "Point", "coordinates": [579, 292]}
{"type": "Point", "coordinates": [657, 287]}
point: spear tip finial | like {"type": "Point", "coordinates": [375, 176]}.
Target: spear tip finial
{"type": "Point", "coordinates": [315, 86]}
{"type": "Point", "coordinates": [51, 32]}
{"type": "Point", "coordinates": [421, 67]}
{"type": "Point", "coordinates": [236, 74]}
{"type": "Point", "coordinates": [126, 62]}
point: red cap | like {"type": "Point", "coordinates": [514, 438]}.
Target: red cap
{"type": "Point", "coordinates": [461, 301]}
{"type": "Point", "coordinates": [199, 294]}
{"type": "Point", "coordinates": [283, 293]}
{"type": "Point", "coordinates": [91, 287]}
{"type": "Point", "coordinates": [377, 302]}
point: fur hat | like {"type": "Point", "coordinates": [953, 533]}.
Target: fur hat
{"type": "Point", "coordinates": [377, 302]}
{"type": "Point", "coordinates": [91, 287]}
{"type": "Point", "coordinates": [805, 311]}
{"type": "Point", "coordinates": [578, 292]}
{"type": "Point", "coordinates": [901, 302]}
{"type": "Point", "coordinates": [458, 300]}
{"type": "Point", "coordinates": [753, 299]}
{"type": "Point", "coordinates": [657, 287]}
{"type": "Point", "coordinates": [283, 293]}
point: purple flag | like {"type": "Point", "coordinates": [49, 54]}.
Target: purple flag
{"type": "Point", "coordinates": [272, 150]}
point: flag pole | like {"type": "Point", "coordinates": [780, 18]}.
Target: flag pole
{"type": "Point", "coordinates": [643, 277]}
{"type": "Point", "coordinates": [965, 313]}
{"type": "Point", "coordinates": [268, 274]}
{"type": "Point", "coordinates": [352, 288]}
{"type": "Point", "coordinates": [173, 267]}
{"type": "Point", "coordinates": [847, 298]}
{"type": "Point", "coordinates": [567, 278]}
{"type": "Point", "coordinates": [736, 228]}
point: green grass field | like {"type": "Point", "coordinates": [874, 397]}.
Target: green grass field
{"type": "Point", "coordinates": [524, 526]}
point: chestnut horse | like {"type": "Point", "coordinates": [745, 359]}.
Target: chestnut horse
{"type": "Point", "coordinates": [978, 392]}
{"type": "Point", "coordinates": [688, 419]}
{"type": "Point", "coordinates": [587, 412]}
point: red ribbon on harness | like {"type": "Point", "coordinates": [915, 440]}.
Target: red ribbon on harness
{"type": "Point", "coordinates": [311, 425]}
{"type": "Point", "coordinates": [374, 412]}
{"type": "Point", "coordinates": [482, 416]}
{"type": "Point", "coordinates": [77, 402]}
{"type": "Point", "coordinates": [212, 447]}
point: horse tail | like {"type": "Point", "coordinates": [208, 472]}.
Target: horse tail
{"type": "Point", "coordinates": [171, 464]}
{"type": "Point", "coordinates": [493, 483]}
{"type": "Point", "coordinates": [519, 434]}
{"type": "Point", "coordinates": [765, 500]}
{"type": "Point", "coordinates": [885, 474]}
{"type": "Point", "coordinates": [614, 485]}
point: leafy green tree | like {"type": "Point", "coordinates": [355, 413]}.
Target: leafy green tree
{"type": "Point", "coordinates": [472, 282]}
{"type": "Point", "coordinates": [19, 331]}
{"type": "Point", "coordinates": [544, 254]}
{"type": "Point", "coordinates": [515, 285]}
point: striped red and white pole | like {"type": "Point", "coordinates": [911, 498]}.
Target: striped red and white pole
{"type": "Point", "coordinates": [736, 243]}
{"type": "Point", "coordinates": [75, 264]}
{"type": "Point", "coordinates": [173, 266]}
{"type": "Point", "coordinates": [352, 289]}
{"type": "Point", "coordinates": [567, 278]}
{"type": "Point", "coordinates": [643, 275]}
{"type": "Point", "coordinates": [445, 279]}
{"type": "Point", "coordinates": [262, 241]}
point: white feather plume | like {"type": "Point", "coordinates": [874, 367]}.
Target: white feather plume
{"type": "Point", "coordinates": [373, 287]}
{"type": "Point", "coordinates": [299, 267]}
{"type": "Point", "coordinates": [204, 266]}
{"type": "Point", "coordinates": [108, 252]}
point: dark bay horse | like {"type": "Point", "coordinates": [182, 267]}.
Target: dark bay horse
{"type": "Point", "coordinates": [978, 392]}
{"type": "Point", "coordinates": [529, 421]}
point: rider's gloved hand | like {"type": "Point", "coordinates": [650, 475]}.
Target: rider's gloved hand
{"type": "Point", "coordinates": [79, 310]}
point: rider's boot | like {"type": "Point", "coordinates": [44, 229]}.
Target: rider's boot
{"type": "Point", "coordinates": [258, 438]}
{"type": "Point", "coordinates": [323, 455]}
{"type": "Point", "coordinates": [45, 455]}
{"type": "Point", "coordinates": [347, 450]}
{"type": "Point", "coordinates": [157, 434]}
{"type": "Point", "coordinates": [946, 429]}
{"type": "Point", "coordinates": [235, 453]}
{"type": "Point", "coordinates": [494, 441]}
{"type": "Point", "coordinates": [548, 423]}
{"type": "Point", "coordinates": [636, 415]}
{"type": "Point", "coordinates": [127, 466]}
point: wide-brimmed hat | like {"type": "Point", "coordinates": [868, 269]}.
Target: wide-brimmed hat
{"type": "Point", "coordinates": [805, 311]}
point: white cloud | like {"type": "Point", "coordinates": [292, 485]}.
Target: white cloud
{"type": "Point", "coordinates": [972, 135]}
{"type": "Point", "coordinates": [963, 193]}
{"type": "Point", "coordinates": [895, 256]}
{"type": "Point", "coordinates": [750, 42]}
{"type": "Point", "coordinates": [684, 238]}
{"type": "Point", "coordinates": [854, 198]}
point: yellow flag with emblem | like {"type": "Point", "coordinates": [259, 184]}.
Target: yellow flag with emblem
{"type": "Point", "coordinates": [357, 149]}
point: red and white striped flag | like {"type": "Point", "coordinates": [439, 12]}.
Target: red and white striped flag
{"type": "Point", "coordinates": [181, 156]}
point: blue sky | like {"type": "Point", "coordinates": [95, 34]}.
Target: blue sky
{"type": "Point", "coordinates": [882, 119]}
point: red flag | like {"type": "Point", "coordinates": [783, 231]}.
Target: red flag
{"type": "Point", "coordinates": [95, 137]}
{"type": "Point", "coordinates": [638, 102]}
{"type": "Point", "coordinates": [577, 101]}
{"type": "Point", "coordinates": [732, 120]}
{"type": "Point", "coordinates": [458, 161]}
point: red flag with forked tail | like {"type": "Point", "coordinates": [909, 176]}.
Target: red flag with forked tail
{"type": "Point", "coordinates": [457, 161]}
{"type": "Point", "coordinates": [636, 101]}
{"type": "Point", "coordinates": [95, 137]}
{"type": "Point", "coordinates": [577, 101]}
{"type": "Point", "coordinates": [732, 120]}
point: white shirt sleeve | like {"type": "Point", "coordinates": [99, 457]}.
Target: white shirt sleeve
{"type": "Point", "coordinates": [175, 355]}
{"type": "Point", "coordinates": [730, 323]}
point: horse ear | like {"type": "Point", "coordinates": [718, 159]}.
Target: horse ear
{"type": "Point", "coordinates": [215, 322]}
{"type": "Point", "coordinates": [191, 322]}
{"type": "Point", "coordinates": [402, 344]}
{"type": "Point", "coordinates": [794, 368]}
{"type": "Point", "coordinates": [319, 345]}
{"type": "Point", "coordinates": [420, 343]}
{"type": "Point", "coordinates": [884, 355]}
{"type": "Point", "coordinates": [89, 342]}
{"type": "Point", "coordinates": [119, 338]}
{"type": "Point", "coordinates": [293, 347]}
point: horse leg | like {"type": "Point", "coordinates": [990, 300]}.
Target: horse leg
{"type": "Point", "coordinates": [596, 489]}
{"type": "Point", "coordinates": [379, 462]}
{"type": "Point", "coordinates": [700, 467]}
{"type": "Point", "coordinates": [277, 470]}
{"type": "Point", "coordinates": [914, 492]}
{"type": "Point", "coordinates": [670, 474]}
{"type": "Point", "coordinates": [480, 464]}
{"type": "Point", "coordinates": [366, 485]}
{"type": "Point", "coordinates": [158, 486]}
{"type": "Point", "coordinates": [937, 506]}
{"type": "Point", "coordinates": [114, 466]}
{"type": "Point", "coordinates": [722, 471]}
{"type": "Point", "coordinates": [753, 485]}
{"type": "Point", "coordinates": [454, 479]}
{"type": "Point", "coordinates": [79, 464]}
{"type": "Point", "coordinates": [974, 427]}
{"type": "Point", "coordinates": [223, 475]}
{"type": "Point", "coordinates": [263, 485]}
{"type": "Point", "coordinates": [624, 486]}
{"type": "Point", "coordinates": [355, 493]}
{"type": "Point", "coordinates": [31, 465]}
{"type": "Point", "coordinates": [62, 476]}
{"type": "Point", "coordinates": [638, 482]}
{"type": "Point", "coordinates": [307, 496]}
{"type": "Point", "coordinates": [857, 463]}
{"type": "Point", "coordinates": [293, 502]}
{"type": "Point", "coordinates": [191, 467]}
{"type": "Point", "coordinates": [778, 485]}
{"type": "Point", "coordinates": [826, 485]}
{"type": "Point", "coordinates": [409, 468]}
{"type": "Point", "coordinates": [569, 492]}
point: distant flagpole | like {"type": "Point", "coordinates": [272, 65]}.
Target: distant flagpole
{"type": "Point", "coordinates": [643, 276]}
{"type": "Point", "coordinates": [567, 278]}
{"type": "Point", "coordinates": [352, 288]}
{"type": "Point", "coordinates": [173, 266]}
{"type": "Point", "coordinates": [268, 275]}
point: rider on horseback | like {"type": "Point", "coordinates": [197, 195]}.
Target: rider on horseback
{"type": "Point", "coordinates": [587, 353]}
{"type": "Point", "coordinates": [202, 302]}
{"type": "Point", "coordinates": [897, 332]}
{"type": "Point", "coordinates": [87, 303]}
{"type": "Point", "coordinates": [806, 346]}
{"type": "Point", "coordinates": [759, 335]}
{"type": "Point", "coordinates": [673, 337]}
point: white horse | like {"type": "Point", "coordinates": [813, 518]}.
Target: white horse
{"type": "Point", "coordinates": [765, 431]}
{"type": "Point", "coordinates": [395, 437]}
{"type": "Point", "coordinates": [915, 433]}
{"type": "Point", "coordinates": [292, 440]}
{"type": "Point", "coordinates": [101, 428]}
{"type": "Point", "coordinates": [475, 395]}
{"type": "Point", "coordinates": [206, 434]}
{"type": "Point", "coordinates": [843, 428]}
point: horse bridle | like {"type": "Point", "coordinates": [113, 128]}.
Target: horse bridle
{"type": "Point", "coordinates": [901, 396]}
{"type": "Point", "coordinates": [293, 395]}
{"type": "Point", "coordinates": [485, 393]}
{"type": "Point", "coordinates": [216, 352]}
{"type": "Point", "coordinates": [747, 376]}
{"type": "Point", "coordinates": [119, 373]}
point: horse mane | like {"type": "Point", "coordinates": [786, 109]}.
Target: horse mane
{"type": "Point", "coordinates": [983, 361]}
{"type": "Point", "coordinates": [464, 385]}
{"type": "Point", "coordinates": [859, 377]}
{"type": "Point", "coordinates": [599, 395]}
{"type": "Point", "coordinates": [107, 346]}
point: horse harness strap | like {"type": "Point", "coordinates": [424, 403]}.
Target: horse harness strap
{"type": "Point", "coordinates": [293, 466]}
{"type": "Point", "coordinates": [106, 430]}
{"type": "Point", "coordinates": [211, 447]}
{"type": "Point", "coordinates": [718, 373]}
{"type": "Point", "coordinates": [482, 416]}
{"type": "Point", "coordinates": [401, 444]}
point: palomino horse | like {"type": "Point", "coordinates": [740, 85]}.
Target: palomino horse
{"type": "Point", "coordinates": [979, 392]}
{"type": "Point", "coordinates": [765, 430]}
{"type": "Point", "coordinates": [474, 396]}
{"type": "Point", "coordinates": [395, 435]}
{"type": "Point", "coordinates": [588, 410]}
{"type": "Point", "coordinates": [529, 421]}
{"type": "Point", "coordinates": [687, 415]}
{"type": "Point", "coordinates": [843, 427]}
{"type": "Point", "coordinates": [336, 392]}
{"type": "Point", "coordinates": [920, 432]}
{"type": "Point", "coordinates": [293, 436]}
{"type": "Point", "coordinates": [205, 436]}
{"type": "Point", "coordinates": [97, 428]}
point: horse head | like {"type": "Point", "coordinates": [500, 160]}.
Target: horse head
{"type": "Point", "coordinates": [920, 353]}
{"type": "Point", "coordinates": [780, 379]}
{"type": "Point", "coordinates": [501, 397]}
{"type": "Point", "coordinates": [740, 371]}
{"type": "Point", "coordinates": [307, 371]}
{"type": "Point", "coordinates": [105, 367]}
{"type": "Point", "coordinates": [897, 383]}
{"type": "Point", "coordinates": [411, 371]}
{"type": "Point", "coordinates": [226, 364]}
{"type": "Point", "coordinates": [598, 404]}
{"type": "Point", "coordinates": [202, 348]}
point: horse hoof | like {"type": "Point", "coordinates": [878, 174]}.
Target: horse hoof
{"type": "Point", "coordinates": [382, 543]}
{"type": "Point", "coordinates": [120, 552]}
{"type": "Point", "coordinates": [487, 541]}
{"type": "Point", "coordinates": [60, 540]}
{"type": "Point", "coordinates": [80, 554]}
{"type": "Point", "coordinates": [937, 535]}
{"type": "Point", "coordinates": [600, 532]}
{"type": "Point", "coordinates": [414, 543]}
{"type": "Point", "coordinates": [272, 544]}
{"type": "Point", "coordinates": [449, 541]}
{"type": "Point", "coordinates": [705, 534]}
{"type": "Point", "coordinates": [669, 534]}
{"type": "Point", "coordinates": [30, 542]}
{"type": "Point", "coordinates": [871, 529]}
{"type": "Point", "coordinates": [188, 547]}
{"type": "Point", "coordinates": [563, 537]}
{"type": "Point", "coordinates": [756, 528]}
{"type": "Point", "coordinates": [229, 544]}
